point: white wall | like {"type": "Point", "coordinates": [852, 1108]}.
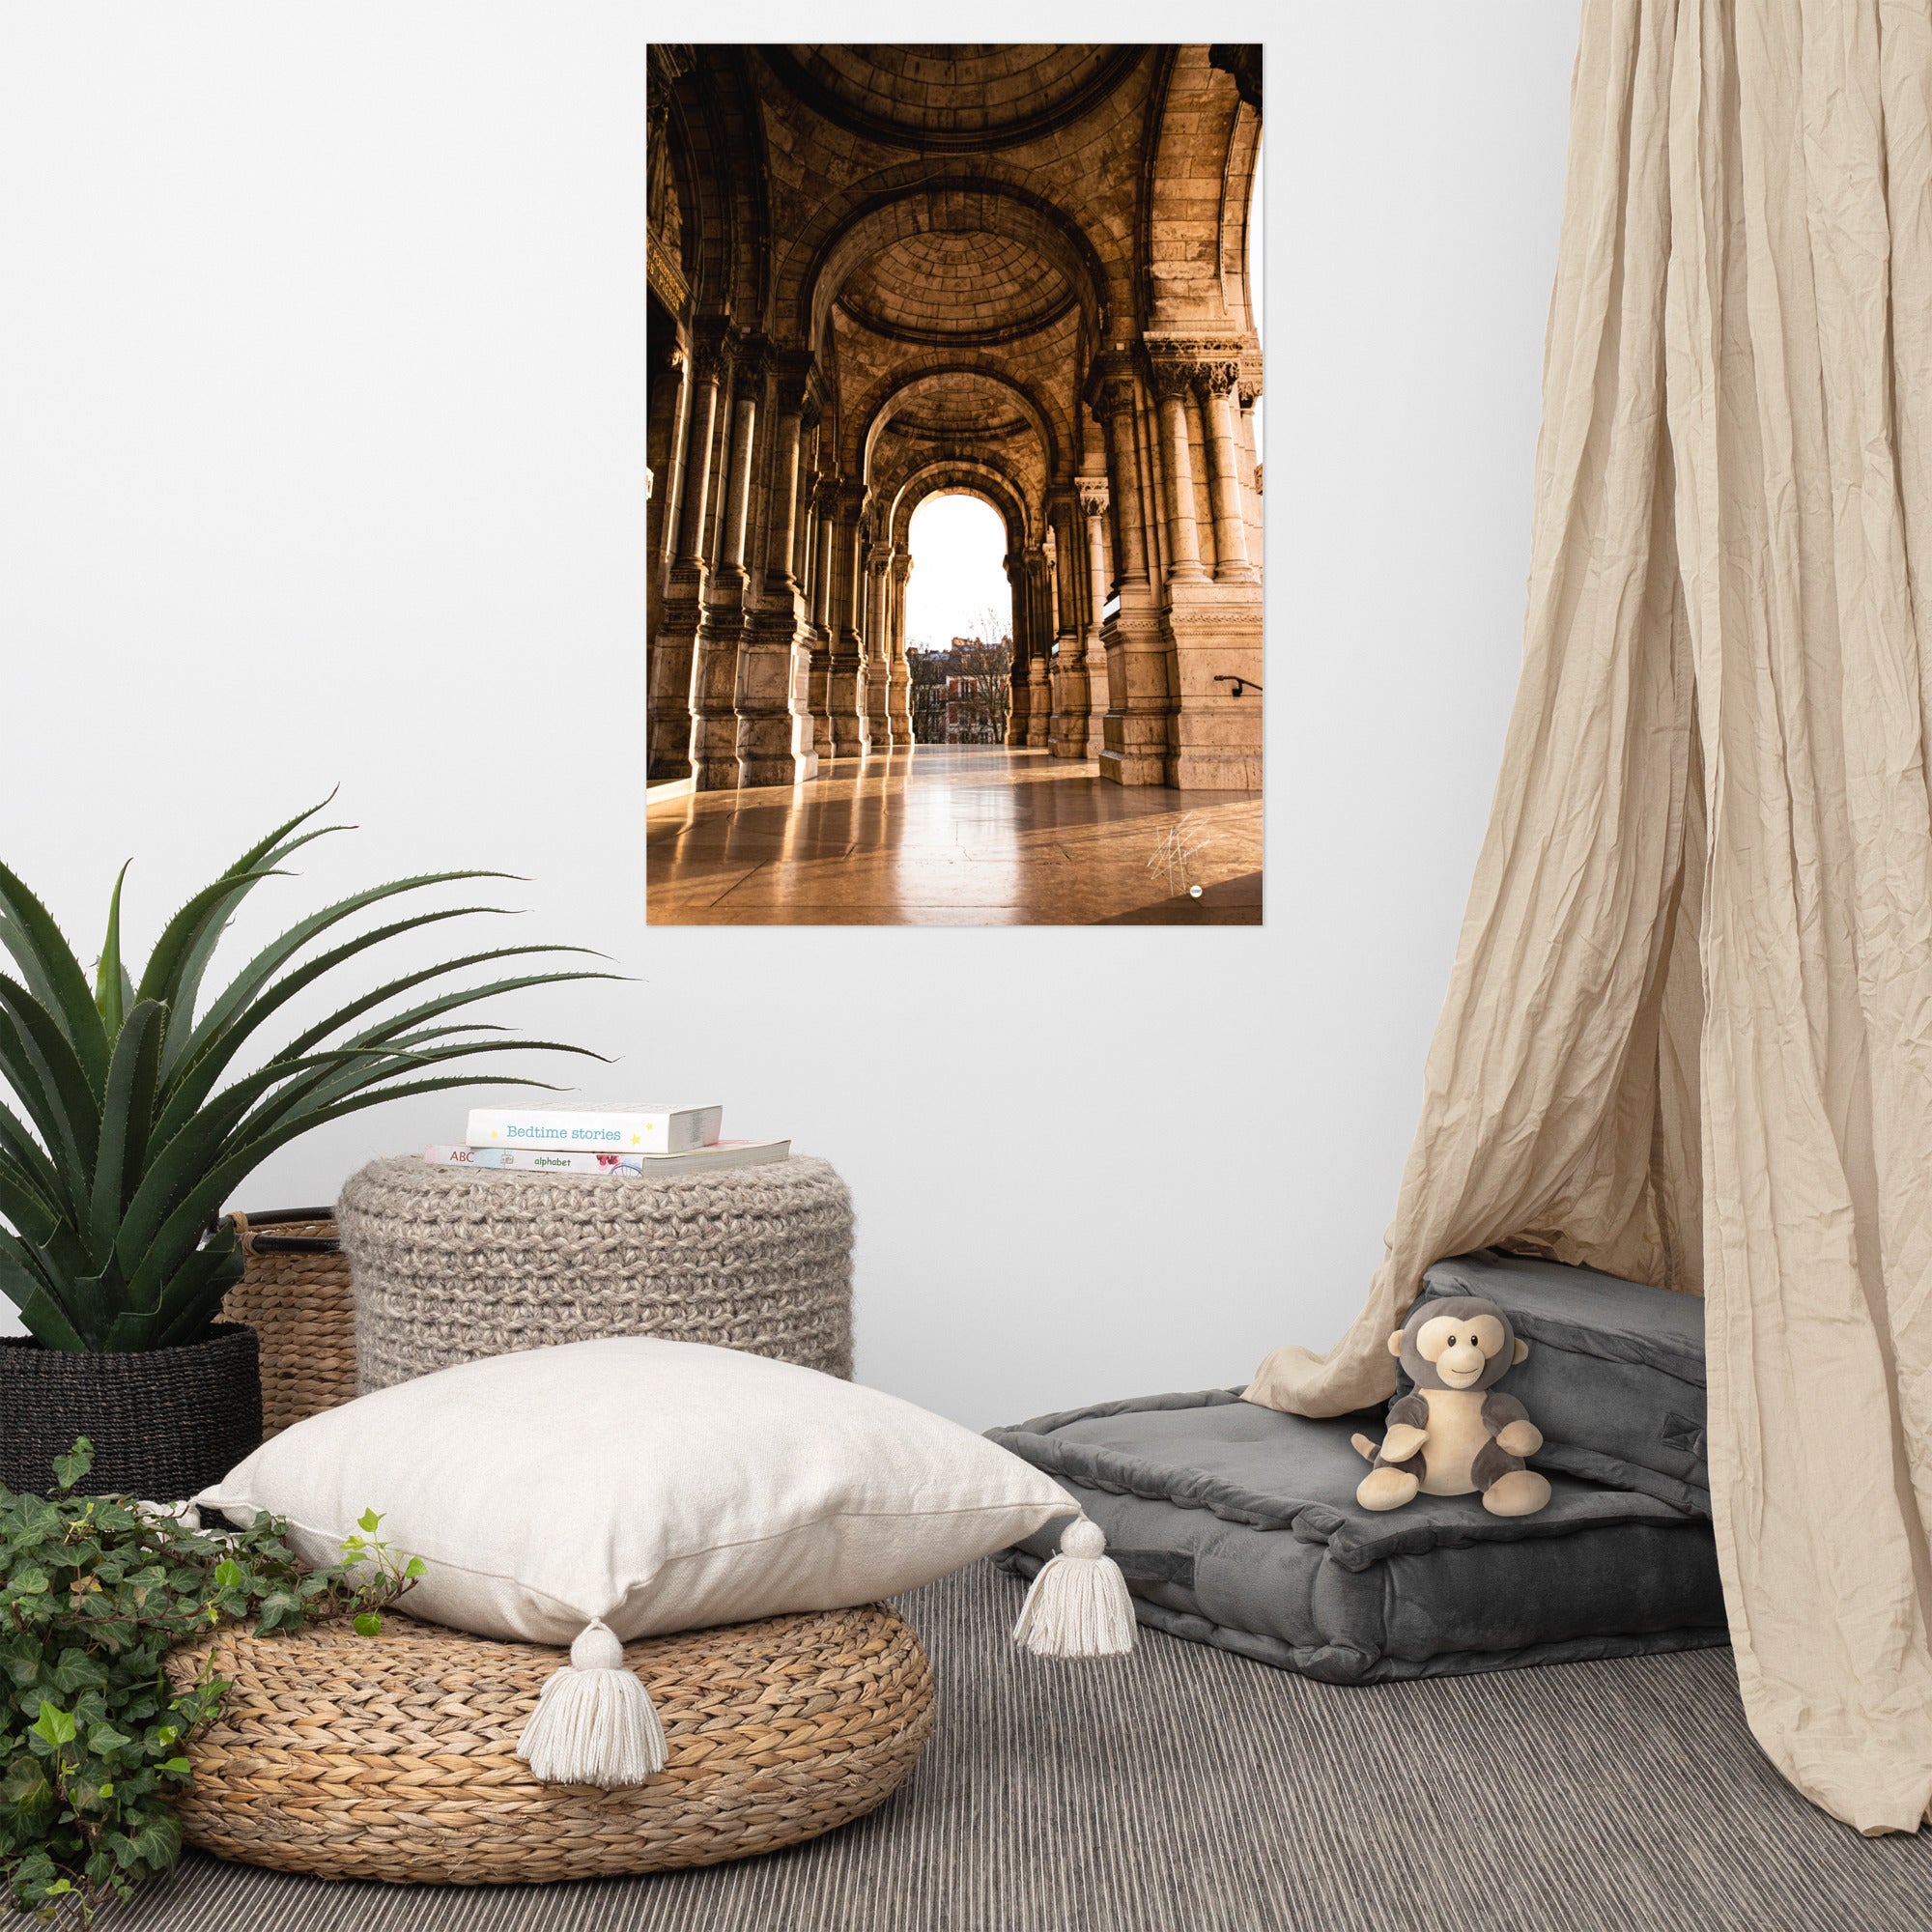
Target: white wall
{"type": "Point", "coordinates": [320, 431]}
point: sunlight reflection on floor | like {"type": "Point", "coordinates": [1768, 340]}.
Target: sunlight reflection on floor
{"type": "Point", "coordinates": [952, 835]}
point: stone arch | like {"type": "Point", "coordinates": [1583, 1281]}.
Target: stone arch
{"type": "Point", "coordinates": [927, 197]}
{"type": "Point", "coordinates": [1237, 194]}
{"type": "Point", "coordinates": [888, 96]}
{"type": "Point", "coordinates": [971, 206]}
{"type": "Point", "coordinates": [987, 483]}
{"type": "Point", "coordinates": [961, 476]}
{"type": "Point", "coordinates": [1201, 158]}
{"type": "Point", "coordinates": [869, 421]}
{"type": "Point", "coordinates": [717, 149]}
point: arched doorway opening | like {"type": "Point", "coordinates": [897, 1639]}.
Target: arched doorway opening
{"type": "Point", "coordinates": [959, 624]}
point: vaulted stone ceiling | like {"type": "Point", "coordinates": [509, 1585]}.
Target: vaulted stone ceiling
{"type": "Point", "coordinates": [933, 98]}
{"type": "Point", "coordinates": [981, 256]}
{"type": "Point", "coordinates": [947, 257]}
{"type": "Point", "coordinates": [975, 287]}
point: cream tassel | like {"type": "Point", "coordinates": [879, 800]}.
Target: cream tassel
{"type": "Point", "coordinates": [1078, 1606]}
{"type": "Point", "coordinates": [594, 1722]}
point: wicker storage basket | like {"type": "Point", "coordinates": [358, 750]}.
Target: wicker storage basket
{"type": "Point", "coordinates": [295, 1296]}
{"type": "Point", "coordinates": [394, 1756]}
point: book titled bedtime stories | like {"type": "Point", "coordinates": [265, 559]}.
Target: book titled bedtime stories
{"type": "Point", "coordinates": [541, 1160]}
{"type": "Point", "coordinates": [625, 1129]}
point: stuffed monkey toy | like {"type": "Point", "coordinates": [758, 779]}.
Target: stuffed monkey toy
{"type": "Point", "coordinates": [1456, 1433]}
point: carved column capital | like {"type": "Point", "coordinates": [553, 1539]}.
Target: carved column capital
{"type": "Point", "coordinates": [795, 368]}
{"type": "Point", "coordinates": [755, 357]}
{"type": "Point", "coordinates": [1115, 397]}
{"type": "Point", "coordinates": [811, 412]}
{"type": "Point", "coordinates": [1213, 363]}
{"type": "Point", "coordinates": [712, 346]}
{"type": "Point", "coordinates": [1094, 497]}
{"type": "Point", "coordinates": [1171, 379]}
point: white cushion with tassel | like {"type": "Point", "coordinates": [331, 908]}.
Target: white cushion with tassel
{"type": "Point", "coordinates": [604, 1491]}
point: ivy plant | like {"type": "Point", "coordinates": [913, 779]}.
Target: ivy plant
{"type": "Point", "coordinates": [95, 1591]}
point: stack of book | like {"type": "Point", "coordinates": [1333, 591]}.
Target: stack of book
{"type": "Point", "coordinates": [603, 1140]}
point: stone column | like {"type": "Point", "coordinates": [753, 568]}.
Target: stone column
{"type": "Point", "coordinates": [714, 668]}
{"type": "Point", "coordinates": [745, 400]}
{"type": "Point", "coordinates": [1072, 676]}
{"type": "Point", "coordinates": [711, 366]}
{"type": "Point", "coordinates": [782, 532]}
{"type": "Point", "coordinates": [1039, 684]}
{"type": "Point", "coordinates": [879, 645]}
{"type": "Point", "coordinates": [1094, 498]}
{"type": "Point", "coordinates": [899, 691]}
{"type": "Point", "coordinates": [1213, 624]}
{"type": "Point", "coordinates": [1173, 385]}
{"type": "Point", "coordinates": [1115, 407]}
{"type": "Point", "coordinates": [1248, 455]}
{"type": "Point", "coordinates": [1014, 565]}
{"type": "Point", "coordinates": [824, 496]}
{"type": "Point", "coordinates": [678, 371]}
{"type": "Point", "coordinates": [772, 697]}
{"type": "Point", "coordinates": [851, 736]}
{"type": "Point", "coordinates": [686, 584]}
{"type": "Point", "coordinates": [667, 425]}
{"type": "Point", "coordinates": [878, 652]}
{"type": "Point", "coordinates": [1217, 381]}
{"type": "Point", "coordinates": [805, 552]}
{"type": "Point", "coordinates": [1134, 740]}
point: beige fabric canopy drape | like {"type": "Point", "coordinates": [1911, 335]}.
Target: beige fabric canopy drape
{"type": "Point", "coordinates": [1688, 1033]}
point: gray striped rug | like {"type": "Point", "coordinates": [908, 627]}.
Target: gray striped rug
{"type": "Point", "coordinates": [1189, 1791]}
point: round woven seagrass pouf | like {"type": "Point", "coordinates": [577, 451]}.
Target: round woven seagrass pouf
{"type": "Point", "coordinates": [453, 1263]}
{"type": "Point", "coordinates": [394, 1756]}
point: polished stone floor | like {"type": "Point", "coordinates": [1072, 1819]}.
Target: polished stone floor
{"type": "Point", "coordinates": [955, 836]}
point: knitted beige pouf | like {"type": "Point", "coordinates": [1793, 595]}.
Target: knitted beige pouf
{"type": "Point", "coordinates": [453, 1263]}
{"type": "Point", "coordinates": [394, 1756]}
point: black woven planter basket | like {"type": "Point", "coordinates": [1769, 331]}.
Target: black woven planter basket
{"type": "Point", "coordinates": [164, 1423]}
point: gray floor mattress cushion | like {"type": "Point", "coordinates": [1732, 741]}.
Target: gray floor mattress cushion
{"type": "Point", "coordinates": [1615, 1373]}
{"type": "Point", "coordinates": [1237, 1526]}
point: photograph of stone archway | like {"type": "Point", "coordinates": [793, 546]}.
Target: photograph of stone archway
{"type": "Point", "coordinates": [882, 278]}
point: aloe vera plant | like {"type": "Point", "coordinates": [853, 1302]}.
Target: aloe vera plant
{"type": "Point", "coordinates": [123, 1140]}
